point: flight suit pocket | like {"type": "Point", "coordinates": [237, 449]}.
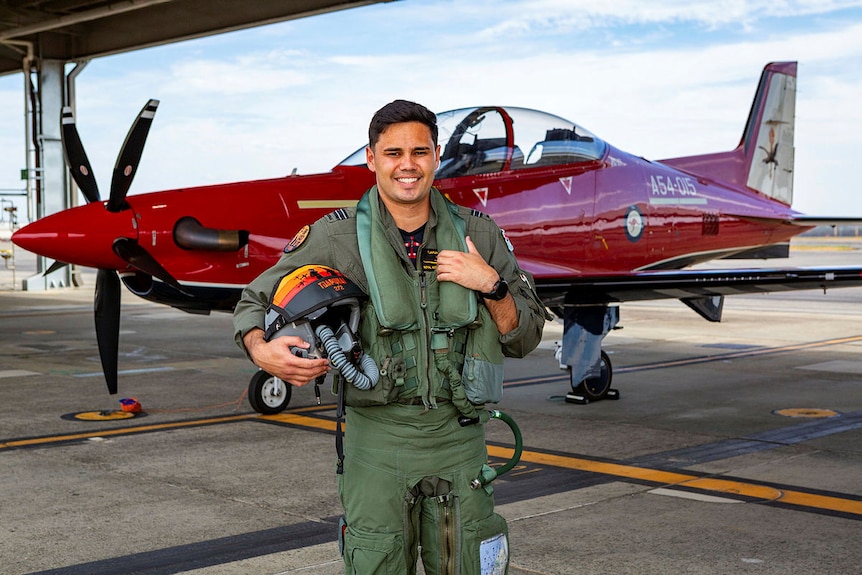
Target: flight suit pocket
{"type": "Point", "coordinates": [486, 547]}
{"type": "Point", "coordinates": [378, 343]}
{"type": "Point", "coordinates": [373, 553]}
{"type": "Point", "coordinates": [482, 375]}
{"type": "Point", "coordinates": [382, 393]}
{"type": "Point", "coordinates": [483, 381]}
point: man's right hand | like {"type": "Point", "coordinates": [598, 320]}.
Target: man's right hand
{"type": "Point", "coordinates": [276, 358]}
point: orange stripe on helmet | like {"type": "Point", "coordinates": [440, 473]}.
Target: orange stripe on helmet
{"type": "Point", "coordinates": [297, 280]}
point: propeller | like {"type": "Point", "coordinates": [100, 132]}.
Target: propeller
{"type": "Point", "coordinates": [107, 294]}
{"type": "Point", "coordinates": [130, 156]}
{"type": "Point", "coordinates": [57, 265]}
{"type": "Point", "coordinates": [76, 157]}
{"type": "Point", "coordinates": [132, 253]}
{"type": "Point", "coordinates": [106, 310]}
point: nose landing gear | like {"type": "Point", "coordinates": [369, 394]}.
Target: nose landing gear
{"type": "Point", "coordinates": [594, 388]}
{"type": "Point", "coordinates": [268, 394]}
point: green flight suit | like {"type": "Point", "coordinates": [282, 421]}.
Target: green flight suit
{"type": "Point", "coordinates": [408, 462]}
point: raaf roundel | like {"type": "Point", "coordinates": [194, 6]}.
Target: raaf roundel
{"type": "Point", "coordinates": [595, 225]}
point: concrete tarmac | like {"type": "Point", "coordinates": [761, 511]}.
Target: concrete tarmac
{"type": "Point", "coordinates": [735, 447]}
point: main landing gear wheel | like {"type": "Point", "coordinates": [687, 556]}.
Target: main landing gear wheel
{"type": "Point", "coordinates": [268, 394]}
{"type": "Point", "coordinates": [595, 388]}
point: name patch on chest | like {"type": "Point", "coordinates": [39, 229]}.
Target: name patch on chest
{"type": "Point", "coordinates": [429, 260]}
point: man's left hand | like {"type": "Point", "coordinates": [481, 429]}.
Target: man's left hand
{"type": "Point", "coordinates": [468, 269]}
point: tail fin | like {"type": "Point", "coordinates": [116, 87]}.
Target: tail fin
{"type": "Point", "coordinates": [763, 161]}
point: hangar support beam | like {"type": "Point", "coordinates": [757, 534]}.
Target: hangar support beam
{"type": "Point", "coordinates": [49, 191]}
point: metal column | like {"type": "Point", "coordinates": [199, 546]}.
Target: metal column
{"type": "Point", "coordinates": [52, 188]}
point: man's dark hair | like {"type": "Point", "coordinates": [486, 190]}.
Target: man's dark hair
{"type": "Point", "coordinates": [398, 112]}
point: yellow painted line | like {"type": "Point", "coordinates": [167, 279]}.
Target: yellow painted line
{"type": "Point", "coordinates": [727, 486]}
{"type": "Point", "coordinates": [762, 492]}
{"type": "Point", "coordinates": [104, 416]}
{"type": "Point", "coordinates": [806, 412]}
{"type": "Point", "coordinates": [302, 420]}
{"type": "Point", "coordinates": [615, 469]}
{"type": "Point", "coordinates": [778, 495]}
{"type": "Point", "coordinates": [671, 478]}
{"type": "Point", "coordinates": [121, 431]}
{"type": "Point", "coordinates": [314, 408]}
{"type": "Point", "coordinates": [308, 421]}
{"type": "Point", "coordinates": [325, 204]}
{"type": "Point", "coordinates": [824, 248]}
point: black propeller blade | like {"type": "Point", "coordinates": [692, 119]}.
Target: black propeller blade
{"type": "Point", "coordinates": [54, 267]}
{"type": "Point", "coordinates": [107, 313]}
{"type": "Point", "coordinates": [76, 157]}
{"type": "Point", "coordinates": [132, 253]}
{"type": "Point", "coordinates": [130, 157]}
{"type": "Point", "coordinates": [107, 303]}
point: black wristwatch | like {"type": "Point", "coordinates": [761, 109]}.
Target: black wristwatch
{"type": "Point", "coordinates": [498, 292]}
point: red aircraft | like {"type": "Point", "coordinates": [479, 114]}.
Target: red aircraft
{"type": "Point", "coordinates": [596, 226]}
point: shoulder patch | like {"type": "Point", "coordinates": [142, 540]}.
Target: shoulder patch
{"type": "Point", "coordinates": [477, 214]}
{"type": "Point", "coordinates": [298, 239]}
{"type": "Point", "coordinates": [337, 215]}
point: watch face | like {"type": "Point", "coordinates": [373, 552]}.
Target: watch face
{"type": "Point", "coordinates": [501, 288]}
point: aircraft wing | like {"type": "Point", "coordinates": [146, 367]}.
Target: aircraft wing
{"type": "Point", "coordinates": [689, 284]}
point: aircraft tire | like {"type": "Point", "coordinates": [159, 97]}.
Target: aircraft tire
{"type": "Point", "coordinates": [595, 388]}
{"type": "Point", "coordinates": [267, 394]}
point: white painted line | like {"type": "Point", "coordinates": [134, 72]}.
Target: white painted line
{"type": "Point", "coordinates": [837, 366]}
{"type": "Point", "coordinates": [17, 373]}
{"type": "Point", "coordinates": [125, 371]}
{"type": "Point", "coordinates": [694, 496]}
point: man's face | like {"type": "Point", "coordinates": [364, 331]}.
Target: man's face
{"type": "Point", "coordinates": [404, 159]}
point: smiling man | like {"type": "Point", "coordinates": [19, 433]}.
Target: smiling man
{"type": "Point", "coordinates": [445, 302]}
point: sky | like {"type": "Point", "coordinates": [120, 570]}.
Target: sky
{"type": "Point", "coordinates": [659, 79]}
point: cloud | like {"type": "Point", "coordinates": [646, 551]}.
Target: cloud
{"type": "Point", "coordinates": [274, 70]}
{"type": "Point", "coordinates": [563, 16]}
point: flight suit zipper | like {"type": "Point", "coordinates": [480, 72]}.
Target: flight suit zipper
{"type": "Point", "coordinates": [446, 543]}
{"type": "Point", "coordinates": [428, 398]}
{"type": "Point", "coordinates": [423, 296]}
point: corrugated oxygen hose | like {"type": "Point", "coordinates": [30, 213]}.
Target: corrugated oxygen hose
{"type": "Point", "coordinates": [364, 377]}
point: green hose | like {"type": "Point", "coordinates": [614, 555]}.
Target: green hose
{"type": "Point", "coordinates": [489, 474]}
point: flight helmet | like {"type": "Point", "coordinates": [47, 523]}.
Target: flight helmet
{"type": "Point", "coordinates": [309, 297]}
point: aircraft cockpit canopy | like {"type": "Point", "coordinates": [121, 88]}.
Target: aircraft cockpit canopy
{"type": "Point", "coordinates": [491, 139]}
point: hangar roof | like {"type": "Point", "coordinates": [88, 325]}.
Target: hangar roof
{"type": "Point", "coordinates": [81, 29]}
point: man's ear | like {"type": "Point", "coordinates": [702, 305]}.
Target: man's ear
{"type": "Point", "coordinates": [369, 158]}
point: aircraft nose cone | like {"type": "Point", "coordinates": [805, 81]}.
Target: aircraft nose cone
{"type": "Point", "coordinates": [82, 236]}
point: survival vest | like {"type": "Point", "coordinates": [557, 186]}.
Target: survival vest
{"type": "Point", "coordinates": [431, 340]}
